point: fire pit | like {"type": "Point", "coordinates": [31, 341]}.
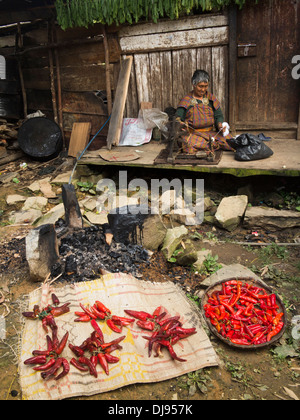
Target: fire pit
{"type": "Point", "coordinates": [84, 253]}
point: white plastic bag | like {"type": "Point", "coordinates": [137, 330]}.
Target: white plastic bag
{"type": "Point", "coordinates": [154, 117]}
{"type": "Point", "coordinates": [134, 133]}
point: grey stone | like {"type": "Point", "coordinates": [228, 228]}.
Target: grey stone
{"type": "Point", "coordinates": [271, 219]}
{"type": "Point", "coordinates": [14, 199]}
{"type": "Point", "coordinates": [230, 211]}
{"type": "Point", "coordinates": [228, 272]}
{"type": "Point", "coordinates": [172, 240]}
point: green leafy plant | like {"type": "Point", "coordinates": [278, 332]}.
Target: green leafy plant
{"type": "Point", "coordinates": [86, 187]}
{"type": "Point", "coordinates": [195, 380]}
{"type": "Point", "coordinates": [76, 13]}
{"type": "Point", "coordinates": [210, 265]}
{"type": "Point", "coordinates": [174, 255]}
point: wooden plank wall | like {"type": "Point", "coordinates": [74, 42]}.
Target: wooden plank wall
{"type": "Point", "coordinates": [267, 97]}
{"type": "Point", "coordinates": [81, 58]}
{"type": "Point", "coordinates": [167, 54]}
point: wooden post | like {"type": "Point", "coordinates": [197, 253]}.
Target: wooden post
{"type": "Point", "coordinates": [107, 71]}
{"type": "Point", "coordinates": [19, 45]}
{"type": "Point", "coordinates": [232, 17]}
{"type": "Point", "coordinates": [51, 65]}
{"type": "Point", "coordinates": [298, 128]}
{"type": "Point", "coordinates": [59, 96]}
{"type": "Point", "coordinates": [115, 126]}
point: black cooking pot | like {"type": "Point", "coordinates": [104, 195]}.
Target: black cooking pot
{"type": "Point", "coordinates": [40, 138]}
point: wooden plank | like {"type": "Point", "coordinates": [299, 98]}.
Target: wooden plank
{"type": "Point", "coordinates": [115, 126]}
{"type": "Point", "coordinates": [175, 40]}
{"type": "Point", "coordinates": [142, 73]}
{"type": "Point", "coordinates": [155, 80]}
{"type": "Point", "coordinates": [85, 78]}
{"type": "Point", "coordinates": [132, 103]}
{"type": "Point", "coordinates": [83, 103]}
{"type": "Point", "coordinates": [192, 22]}
{"type": "Point", "coordinates": [232, 68]}
{"type": "Point", "coordinates": [79, 138]}
{"type": "Point", "coordinates": [219, 76]}
{"type": "Point", "coordinates": [183, 66]}
{"type": "Point", "coordinates": [96, 122]}
{"type": "Point", "coordinates": [266, 125]}
{"type": "Point", "coordinates": [166, 75]}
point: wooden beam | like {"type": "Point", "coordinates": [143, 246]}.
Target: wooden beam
{"type": "Point", "coordinates": [232, 67]}
{"type": "Point", "coordinates": [298, 128]}
{"type": "Point", "coordinates": [175, 40]}
{"type": "Point", "coordinates": [265, 125]}
{"type": "Point", "coordinates": [116, 121]}
{"type": "Point", "coordinates": [51, 65]}
{"type": "Point", "coordinates": [107, 72]}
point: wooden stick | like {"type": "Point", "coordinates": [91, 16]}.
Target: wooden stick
{"type": "Point", "coordinates": [23, 90]}
{"type": "Point", "coordinates": [107, 72]}
{"type": "Point", "coordinates": [51, 65]}
{"type": "Point", "coordinates": [59, 90]}
{"type": "Point", "coordinates": [262, 243]}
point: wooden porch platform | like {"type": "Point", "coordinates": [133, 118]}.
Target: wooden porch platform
{"type": "Point", "coordinates": [284, 162]}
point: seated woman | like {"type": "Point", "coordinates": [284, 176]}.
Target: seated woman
{"type": "Point", "coordinates": [201, 115]}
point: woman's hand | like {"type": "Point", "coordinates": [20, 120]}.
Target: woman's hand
{"type": "Point", "coordinates": [224, 127]}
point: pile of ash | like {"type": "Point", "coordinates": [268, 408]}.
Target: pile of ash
{"type": "Point", "coordinates": [85, 252]}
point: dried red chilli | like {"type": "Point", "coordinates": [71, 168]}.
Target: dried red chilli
{"type": "Point", "coordinates": [100, 312]}
{"type": "Point", "coordinates": [244, 314]}
{"type": "Point", "coordinates": [99, 352]}
{"type": "Point", "coordinates": [165, 331]}
{"type": "Point", "coordinates": [47, 314]}
{"type": "Point", "coordinates": [49, 361]}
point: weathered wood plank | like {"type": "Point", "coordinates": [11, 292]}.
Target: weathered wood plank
{"type": "Point", "coordinates": [219, 76]}
{"type": "Point", "coordinates": [175, 40]}
{"type": "Point", "coordinates": [183, 66]}
{"type": "Point", "coordinates": [79, 138]}
{"type": "Point", "coordinates": [142, 74]}
{"type": "Point", "coordinates": [156, 80]}
{"type": "Point", "coordinates": [83, 103]}
{"type": "Point", "coordinates": [96, 122]}
{"type": "Point", "coordinates": [85, 78]}
{"type": "Point", "coordinates": [132, 103]}
{"type": "Point", "coordinates": [115, 126]}
{"type": "Point", "coordinates": [192, 22]}
{"type": "Point", "coordinates": [204, 59]}
{"type": "Point", "coordinates": [166, 79]}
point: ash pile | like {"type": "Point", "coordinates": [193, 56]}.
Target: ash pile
{"type": "Point", "coordinates": [77, 253]}
{"type": "Point", "coordinates": [85, 254]}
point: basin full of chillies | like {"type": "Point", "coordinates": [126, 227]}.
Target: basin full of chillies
{"type": "Point", "coordinates": [244, 313]}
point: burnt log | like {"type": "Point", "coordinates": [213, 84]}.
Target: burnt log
{"type": "Point", "coordinates": [73, 216]}
{"type": "Point", "coordinates": [41, 251]}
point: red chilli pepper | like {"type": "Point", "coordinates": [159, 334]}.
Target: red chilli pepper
{"type": "Point", "coordinates": [97, 329]}
{"type": "Point", "coordinates": [78, 365]}
{"type": "Point", "coordinates": [141, 315]}
{"type": "Point", "coordinates": [85, 361]}
{"type": "Point", "coordinates": [103, 362]}
{"type": "Point", "coordinates": [146, 325]}
{"type": "Point", "coordinates": [102, 307]}
{"type": "Point", "coordinates": [62, 343]}
{"type": "Point", "coordinates": [113, 326]}
{"type": "Point", "coordinates": [46, 366]}
{"type": "Point", "coordinates": [36, 360]}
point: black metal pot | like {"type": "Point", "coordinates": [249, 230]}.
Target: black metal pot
{"type": "Point", "coordinates": [40, 138]}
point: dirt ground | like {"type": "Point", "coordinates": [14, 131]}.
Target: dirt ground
{"type": "Point", "coordinates": [271, 373]}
